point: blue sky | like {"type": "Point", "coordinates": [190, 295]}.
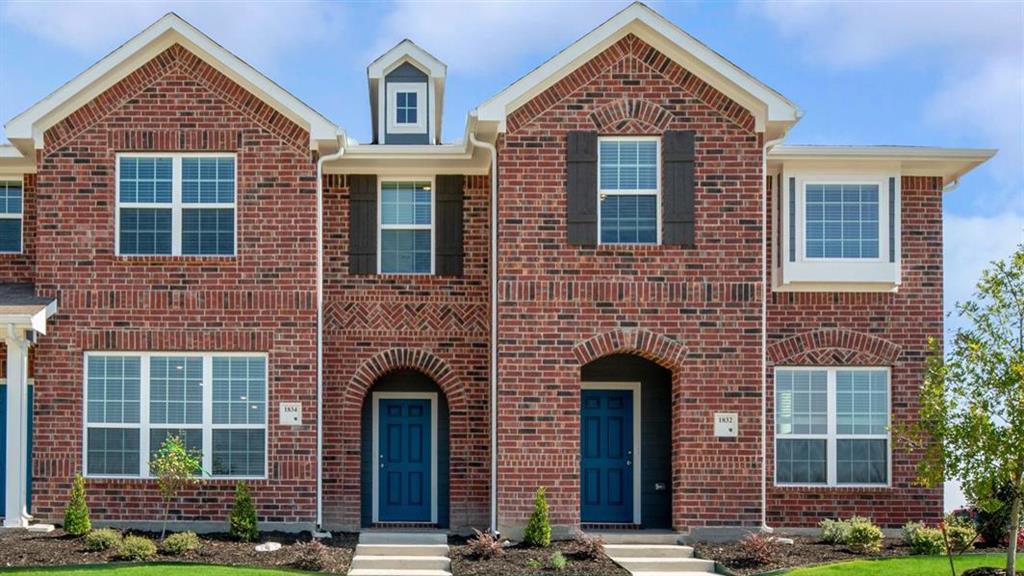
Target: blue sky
{"type": "Point", "coordinates": [923, 73]}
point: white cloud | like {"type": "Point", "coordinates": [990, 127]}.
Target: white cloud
{"type": "Point", "coordinates": [256, 31]}
{"type": "Point", "coordinates": [975, 48]}
{"type": "Point", "coordinates": [480, 37]}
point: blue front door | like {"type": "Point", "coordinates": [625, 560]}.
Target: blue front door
{"type": "Point", "coordinates": [606, 464]}
{"type": "Point", "coordinates": [404, 460]}
{"type": "Point", "coordinates": [3, 449]}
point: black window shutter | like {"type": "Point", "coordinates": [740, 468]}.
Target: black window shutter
{"type": "Point", "coordinates": [678, 196]}
{"type": "Point", "coordinates": [449, 196]}
{"type": "Point", "coordinates": [581, 188]}
{"type": "Point", "coordinates": [362, 224]}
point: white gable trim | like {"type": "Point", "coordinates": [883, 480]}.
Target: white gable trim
{"type": "Point", "coordinates": [768, 106]}
{"type": "Point", "coordinates": [406, 51]}
{"type": "Point", "coordinates": [26, 129]}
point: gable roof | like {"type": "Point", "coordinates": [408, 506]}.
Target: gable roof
{"type": "Point", "coordinates": [773, 113]}
{"type": "Point", "coordinates": [26, 130]}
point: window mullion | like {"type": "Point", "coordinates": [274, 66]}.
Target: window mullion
{"type": "Point", "coordinates": [208, 414]}
{"type": "Point", "coordinates": [831, 409]}
{"type": "Point", "coordinates": [144, 415]}
{"type": "Point", "coordinates": [176, 221]}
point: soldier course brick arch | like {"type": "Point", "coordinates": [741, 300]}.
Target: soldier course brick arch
{"type": "Point", "coordinates": [395, 359]}
{"type": "Point", "coordinates": [834, 346]}
{"type": "Point", "coordinates": [631, 115]}
{"type": "Point", "coordinates": [657, 348]}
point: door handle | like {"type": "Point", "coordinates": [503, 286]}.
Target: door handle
{"type": "Point", "coordinates": [629, 463]}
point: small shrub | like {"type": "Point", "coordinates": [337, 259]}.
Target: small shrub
{"type": "Point", "coordinates": [76, 515]}
{"type": "Point", "coordinates": [534, 564]}
{"type": "Point", "coordinates": [102, 539]}
{"type": "Point", "coordinates": [760, 549]}
{"type": "Point", "coordinates": [834, 531]}
{"type": "Point", "coordinates": [923, 541]}
{"type": "Point", "coordinates": [864, 536]}
{"type": "Point", "coordinates": [312, 556]}
{"type": "Point", "coordinates": [244, 526]}
{"type": "Point", "coordinates": [181, 543]}
{"type": "Point", "coordinates": [135, 549]}
{"type": "Point", "coordinates": [1020, 539]}
{"type": "Point", "coordinates": [589, 547]}
{"type": "Point", "coordinates": [558, 561]}
{"type": "Point", "coordinates": [961, 533]}
{"type": "Point", "coordinates": [538, 529]}
{"type": "Point", "coordinates": [484, 546]}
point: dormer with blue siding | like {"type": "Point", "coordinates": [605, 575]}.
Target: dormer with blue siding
{"type": "Point", "coordinates": [406, 96]}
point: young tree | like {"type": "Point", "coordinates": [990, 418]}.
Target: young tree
{"type": "Point", "coordinates": [175, 468]}
{"type": "Point", "coordinates": [972, 400]}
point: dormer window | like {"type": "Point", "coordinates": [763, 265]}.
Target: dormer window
{"type": "Point", "coordinates": [405, 104]}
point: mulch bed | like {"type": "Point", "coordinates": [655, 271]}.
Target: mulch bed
{"type": "Point", "coordinates": [21, 548]}
{"type": "Point", "coordinates": [516, 562]}
{"type": "Point", "coordinates": [805, 551]}
{"type": "Point", "coordinates": [988, 572]}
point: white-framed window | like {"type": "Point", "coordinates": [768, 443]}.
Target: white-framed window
{"type": "Point", "coordinates": [838, 229]}
{"type": "Point", "coordinates": [407, 107]}
{"type": "Point", "coordinates": [176, 204]}
{"type": "Point", "coordinates": [405, 236]}
{"type": "Point", "coordinates": [832, 426]}
{"type": "Point", "coordinates": [11, 212]}
{"type": "Point", "coordinates": [215, 402]}
{"type": "Point", "coordinates": [629, 190]}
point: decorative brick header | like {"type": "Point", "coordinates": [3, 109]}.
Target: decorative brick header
{"type": "Point", "coordinates": [654, 347]}
{"type": "Point", "coordinates": [632, 116]}
{"type": "Point", "coordinates": [834, 346]}
{"type": "Point", "coordinates": [395, 359]}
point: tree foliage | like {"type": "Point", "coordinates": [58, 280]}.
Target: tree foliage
{"type": "Point", "coordinates": [972, 401]}
{"type": "Point", "coordinates": [176, 468]}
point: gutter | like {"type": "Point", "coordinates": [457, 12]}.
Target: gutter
{"type": "Point", "coordinates": [765, 267]}
{"type": "Point", "coordinates": [319, 533]}
{"type": "Point", "coordinates": [493, 273]}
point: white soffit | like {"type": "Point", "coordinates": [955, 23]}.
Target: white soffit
{"type": "Point", "coordinates": [949, 163]}
{"type": "Point", "coordinates": [13, 164]}
{"type": "Point", "coordinates": [770, 108]}
{"type": "Point", "coordinates": [26, 129]}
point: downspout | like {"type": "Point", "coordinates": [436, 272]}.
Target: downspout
{"type": "Point", "coordinates": [320, 329]}
{"type": "Point", "coordinates": [493, 272]}
{"type": "Point", "coordinates": [766, 214]}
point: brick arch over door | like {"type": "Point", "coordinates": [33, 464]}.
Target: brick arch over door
{"type": "Point", "coordinates": [395, 359]}
{"type": "Point", "coordinates": [632, 116]}
{"type": "Point", "coordinates": [657, 348]}
{"type": "Point", "coordinates": [834, 347]}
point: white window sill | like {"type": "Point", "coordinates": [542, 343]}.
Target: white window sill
{"type": "Point", "coordinates": [838, 276]}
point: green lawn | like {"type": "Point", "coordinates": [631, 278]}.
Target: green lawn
{"type": "Point", "coordinates": [151, 570]}
{"type": "Point", "coordinates": [912, 566]}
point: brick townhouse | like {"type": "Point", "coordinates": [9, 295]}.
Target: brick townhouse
{"type": "Point", "coordinates": [619, 283]}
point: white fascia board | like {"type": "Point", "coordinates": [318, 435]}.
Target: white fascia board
{"type": "Point", "coordinates": [766, 104]}
{"type": "Point", "coordinates": [30, 125]}
{"type": "Point", "coordinates": [404, 51]}
{"type": "Point", "coordinates": [949, 163]}
{"type": "Point", "coordinates": [14, 164]}
{"type": "Point", "coordinates": [410, 159]}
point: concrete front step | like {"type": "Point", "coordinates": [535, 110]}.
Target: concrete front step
{"type": "Point", "coordinates": [374, 572]}
{"type": "Point", "coordinates": [665, 565]}
{"type": "Point", "coordinates": [401, 562]}
{"type": "Point", "coordinates": [401, 550]}
{"type": "Point", "coordinates": [638, 537]}
{"type": "Point", "coordinates": [647, 551]}
{"type": "Point", "coordinates": [404, 538]}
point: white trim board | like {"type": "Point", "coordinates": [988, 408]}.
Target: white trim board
{"type": "Point", "coordinates": [633, 387]}
{"type": "Point", "coordinates": [375, 450]}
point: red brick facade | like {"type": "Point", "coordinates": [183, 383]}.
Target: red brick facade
{"type": "Point", "coordinates": [263, 299]}
{"type": "Point", "coordinates": [698, 312]}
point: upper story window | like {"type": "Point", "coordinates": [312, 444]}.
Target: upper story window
{"type": "Point", "coordinates": [838, 230]}
{"type": "Point", "coordinates": [406, 107]}
{"type": "Point", "coordinates": [832, 426]}
{"type": "Point", "coordinates": [406, 231]}
{"type": "Point", "coordinates": [176, 204]}
{"type": "Point", "coordinates": [628, 190]}
{"type": "Point", "coordinates": [216, 403]}
{"type": "Point", "coordinates": [11, 210]}
{"type": "Point", "coordinates": [841, 220]}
